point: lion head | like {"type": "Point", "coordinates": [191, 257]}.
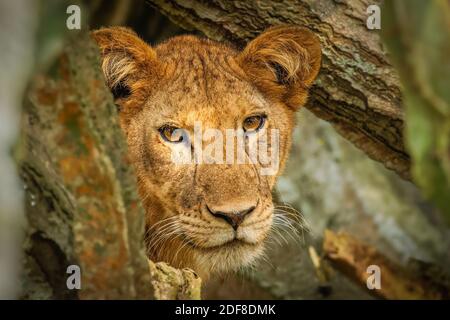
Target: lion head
{"type": "Point", "coordinates": [211, 216]}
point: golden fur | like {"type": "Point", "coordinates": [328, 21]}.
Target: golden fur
{"type": "Point", "coordinates": [187, 79]}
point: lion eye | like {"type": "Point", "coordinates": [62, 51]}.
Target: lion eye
{"type": "Point", "coordinates": [171, 134]}
{"type": "Point", "coordinates": [254, 123]}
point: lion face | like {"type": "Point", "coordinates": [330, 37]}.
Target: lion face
{"type": "Point", "coordinates": [210, 208]}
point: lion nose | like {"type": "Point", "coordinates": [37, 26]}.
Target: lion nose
{"type": "Point", "coordinates": [232, 217]}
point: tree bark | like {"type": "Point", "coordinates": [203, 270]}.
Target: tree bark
{"type": "Point", "coordinates": [81, 202]}
{"type": "Point", "coordinates": [357, 89]}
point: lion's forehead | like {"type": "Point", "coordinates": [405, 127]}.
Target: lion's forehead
{"type": "Point", "coordinates": [208, 94]}
{"type": "Point", "coordinates": [202, 81]}
{"type": "Point", "coordinates": [201, 76]}
{"type": "Point", "coordinates": [215, 112]}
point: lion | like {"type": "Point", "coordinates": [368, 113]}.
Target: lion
{"type": "Point", "coordinates": [212, 218]}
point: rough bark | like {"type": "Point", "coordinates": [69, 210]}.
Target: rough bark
{"type": "Point", "coordinates": [81, 201]}
{"type": "Point", "coordinates": [174, 284]}
{"type": "Point", "coordinates": [357, 89]}
{"type": "Point", "coordinates": [81, 204]}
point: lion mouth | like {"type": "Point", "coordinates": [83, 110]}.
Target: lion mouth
{"type": "Point", "coordinates": [230, 244]}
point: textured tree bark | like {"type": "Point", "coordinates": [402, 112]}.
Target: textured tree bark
{"type": "Point", "coordinates": [174, 284]}
{"type": "Point", "coordinates": [357, 89]}
{"type": "Point", "coordinates": [81, 205]}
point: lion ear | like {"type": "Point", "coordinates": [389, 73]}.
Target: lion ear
{"type": "Point", "coordinates": [283, 63]}
{"type": "Point", "coordinates": [128, 62]}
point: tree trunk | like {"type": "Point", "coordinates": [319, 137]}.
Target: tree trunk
{"type": "Point", "coordinates": [81, 201]}
{"type": "Point", "coordinates": [81, 204]}
{"type": "Point", "coordinates": [357, 89]}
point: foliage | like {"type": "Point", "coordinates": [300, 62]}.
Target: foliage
{"type": "Point", "coordinates": [417, 34]}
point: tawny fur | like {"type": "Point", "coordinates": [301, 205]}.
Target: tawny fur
{"type": "Point", "coordinates": [188, 79]}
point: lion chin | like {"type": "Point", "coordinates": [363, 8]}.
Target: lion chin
{"type": "Point", "coordinates": [229, 257]}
